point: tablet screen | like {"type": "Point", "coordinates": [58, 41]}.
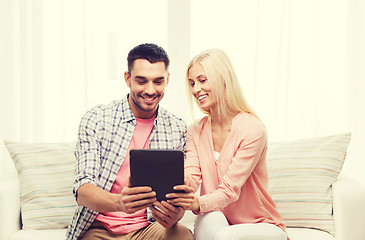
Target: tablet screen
{"type": "Point", "coordinates": [157, 168]}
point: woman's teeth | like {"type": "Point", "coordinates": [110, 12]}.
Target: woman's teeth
{"type": "Point", "coordinates": [200, 98]}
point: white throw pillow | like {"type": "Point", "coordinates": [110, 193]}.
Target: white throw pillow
{"type": "Point", "coordinates": [301, 174]}
{"type": "Point", "coordinates": [46, 174]}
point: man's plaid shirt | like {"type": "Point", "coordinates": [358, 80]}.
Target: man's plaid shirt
{"type": "Point", "coordinates": [104, 136]}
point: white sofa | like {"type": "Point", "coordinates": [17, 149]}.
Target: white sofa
{"type": "Point", "coordinates": [348, 201]}
{"type": "Point", "coordinates": [348, 198]}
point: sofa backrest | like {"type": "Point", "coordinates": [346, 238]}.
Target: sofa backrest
{"type": "Point", "coordinates": [301, 174]}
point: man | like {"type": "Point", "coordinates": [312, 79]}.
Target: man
{"type": "Point", "coordinates": [108, 208]}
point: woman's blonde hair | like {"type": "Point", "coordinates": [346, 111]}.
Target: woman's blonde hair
{"type": "Point", "coordinates": [223, 81]}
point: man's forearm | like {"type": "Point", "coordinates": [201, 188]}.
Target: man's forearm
{"type": "Point", "coordinates": [97, 199]}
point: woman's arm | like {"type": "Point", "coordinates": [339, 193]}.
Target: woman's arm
{"type": "Point", "coordinates": [251, 148]}
{"type": "Point", "coordinates": [188, 200]}
{"type": "Point", "coordinates": [192, 164]}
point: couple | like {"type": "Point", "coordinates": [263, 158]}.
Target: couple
{"type": "Point", "coordinates": [225, 154]}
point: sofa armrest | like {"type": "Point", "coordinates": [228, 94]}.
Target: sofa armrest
{"type": "Point", "coordinates": [9, 206]}
{"type": "Point", "coordinates": [348, 209]}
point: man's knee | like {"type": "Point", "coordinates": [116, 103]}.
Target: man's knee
{"type": "Point", "coordinates": [179, 232]}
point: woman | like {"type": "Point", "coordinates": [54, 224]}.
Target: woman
{"type": "Point", "coordinates": [226, 153]}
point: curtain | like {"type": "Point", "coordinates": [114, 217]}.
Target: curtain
{"type": "Point", "coordinates": [62, 57]}
{"type": "Point", "coordinates": [43, 82]}
{"type": "Point", "coordinates": [300, 63]}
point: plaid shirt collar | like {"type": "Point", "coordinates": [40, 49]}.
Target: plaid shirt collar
{"type": "Point", "coordinates": [128, 116]}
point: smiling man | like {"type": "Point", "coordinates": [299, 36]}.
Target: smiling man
{"type": "Point", "coordinates": [147, 82]}
{"type": "Point", "coordinates": [108, 208]}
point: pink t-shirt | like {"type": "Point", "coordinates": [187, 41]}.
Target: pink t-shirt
{"type": "Point", "coordinates": [121, 222]}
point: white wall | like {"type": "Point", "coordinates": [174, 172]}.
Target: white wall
{"type": "Point", "coordinates": [356, 62]}
{"type": "Point", "coordinates": [300, 63]}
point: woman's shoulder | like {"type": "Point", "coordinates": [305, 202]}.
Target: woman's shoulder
{"type": "Point", "coordinates": [247, 118]}
{"type": "Point", "coordinates": [247, 122]}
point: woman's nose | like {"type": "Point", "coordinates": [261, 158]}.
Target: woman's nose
{"type": "Point", "coordinates": [196, 88]}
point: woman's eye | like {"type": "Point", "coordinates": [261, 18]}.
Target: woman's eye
{"type": "Point", "coordinates": [203, 80]}
{"type": "Point", "coordinates": [192, 84]}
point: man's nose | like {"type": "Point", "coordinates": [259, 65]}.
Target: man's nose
{"type": "Point", "coordinates": [150, 89]}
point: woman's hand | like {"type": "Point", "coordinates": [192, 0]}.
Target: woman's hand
{"type": "Point", "coordinates": [187, 199]}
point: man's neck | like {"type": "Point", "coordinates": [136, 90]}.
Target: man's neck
{"type": "Point", "coordinates": [140, 113]}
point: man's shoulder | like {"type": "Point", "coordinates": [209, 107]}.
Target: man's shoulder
{"type": "Point", "coordinates": [106, 109]}
{"type": "Point", "coordinates": [171, 118]}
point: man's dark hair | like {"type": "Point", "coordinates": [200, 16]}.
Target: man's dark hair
{"type": "Point", "coordinates": [149, 51]}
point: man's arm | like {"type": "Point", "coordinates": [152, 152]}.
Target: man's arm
{"type": "Point", "coordinates": [129, 201]}
{"type": "Point", "coordinates": [169, 212]}
{"type": "Point", "coordinates": [88, 166]}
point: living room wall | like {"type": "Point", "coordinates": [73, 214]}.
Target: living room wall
{"type": "Point", "coordinates": [299, 62]}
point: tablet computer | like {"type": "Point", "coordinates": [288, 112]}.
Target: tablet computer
{"type": "Point", "coordinates": [161, 169]}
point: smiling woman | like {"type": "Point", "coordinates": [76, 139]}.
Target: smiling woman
{"type": "Point", "coordinates": [226, 156]}
{"type": "Point", "coordinates": [200, 87]}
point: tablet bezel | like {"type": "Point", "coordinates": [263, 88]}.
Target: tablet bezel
{"type": "Point", "coordinates": [161, 169]}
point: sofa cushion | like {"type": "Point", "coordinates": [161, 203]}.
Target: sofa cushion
{"type": "Point", "coordinates": [46, 173]}
{"type": "Point", "coordinates": [54, 234]}
{"type": "Point", "coordinates": [308, 234]}
{"type": "Point", "coordinates": [301, 174]}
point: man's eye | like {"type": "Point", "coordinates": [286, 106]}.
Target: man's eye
{"type": "Point", "coordinates": [141, 82]}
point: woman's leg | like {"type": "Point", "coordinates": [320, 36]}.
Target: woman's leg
{"type": "Point", "coordinates": [207, 225]}
{"type": "Point", "coordinates": [251, 231]}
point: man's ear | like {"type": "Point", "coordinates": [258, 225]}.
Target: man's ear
{"type": "Point", "coordinates": [127, 78]}
{"type": "Point", "coordinates": [167, 79]}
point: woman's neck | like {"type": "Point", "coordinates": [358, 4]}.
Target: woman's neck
{"type": "Point", "coordinates": [221, 128]}
{"type": "Point", "coordinates": [221, 121]}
